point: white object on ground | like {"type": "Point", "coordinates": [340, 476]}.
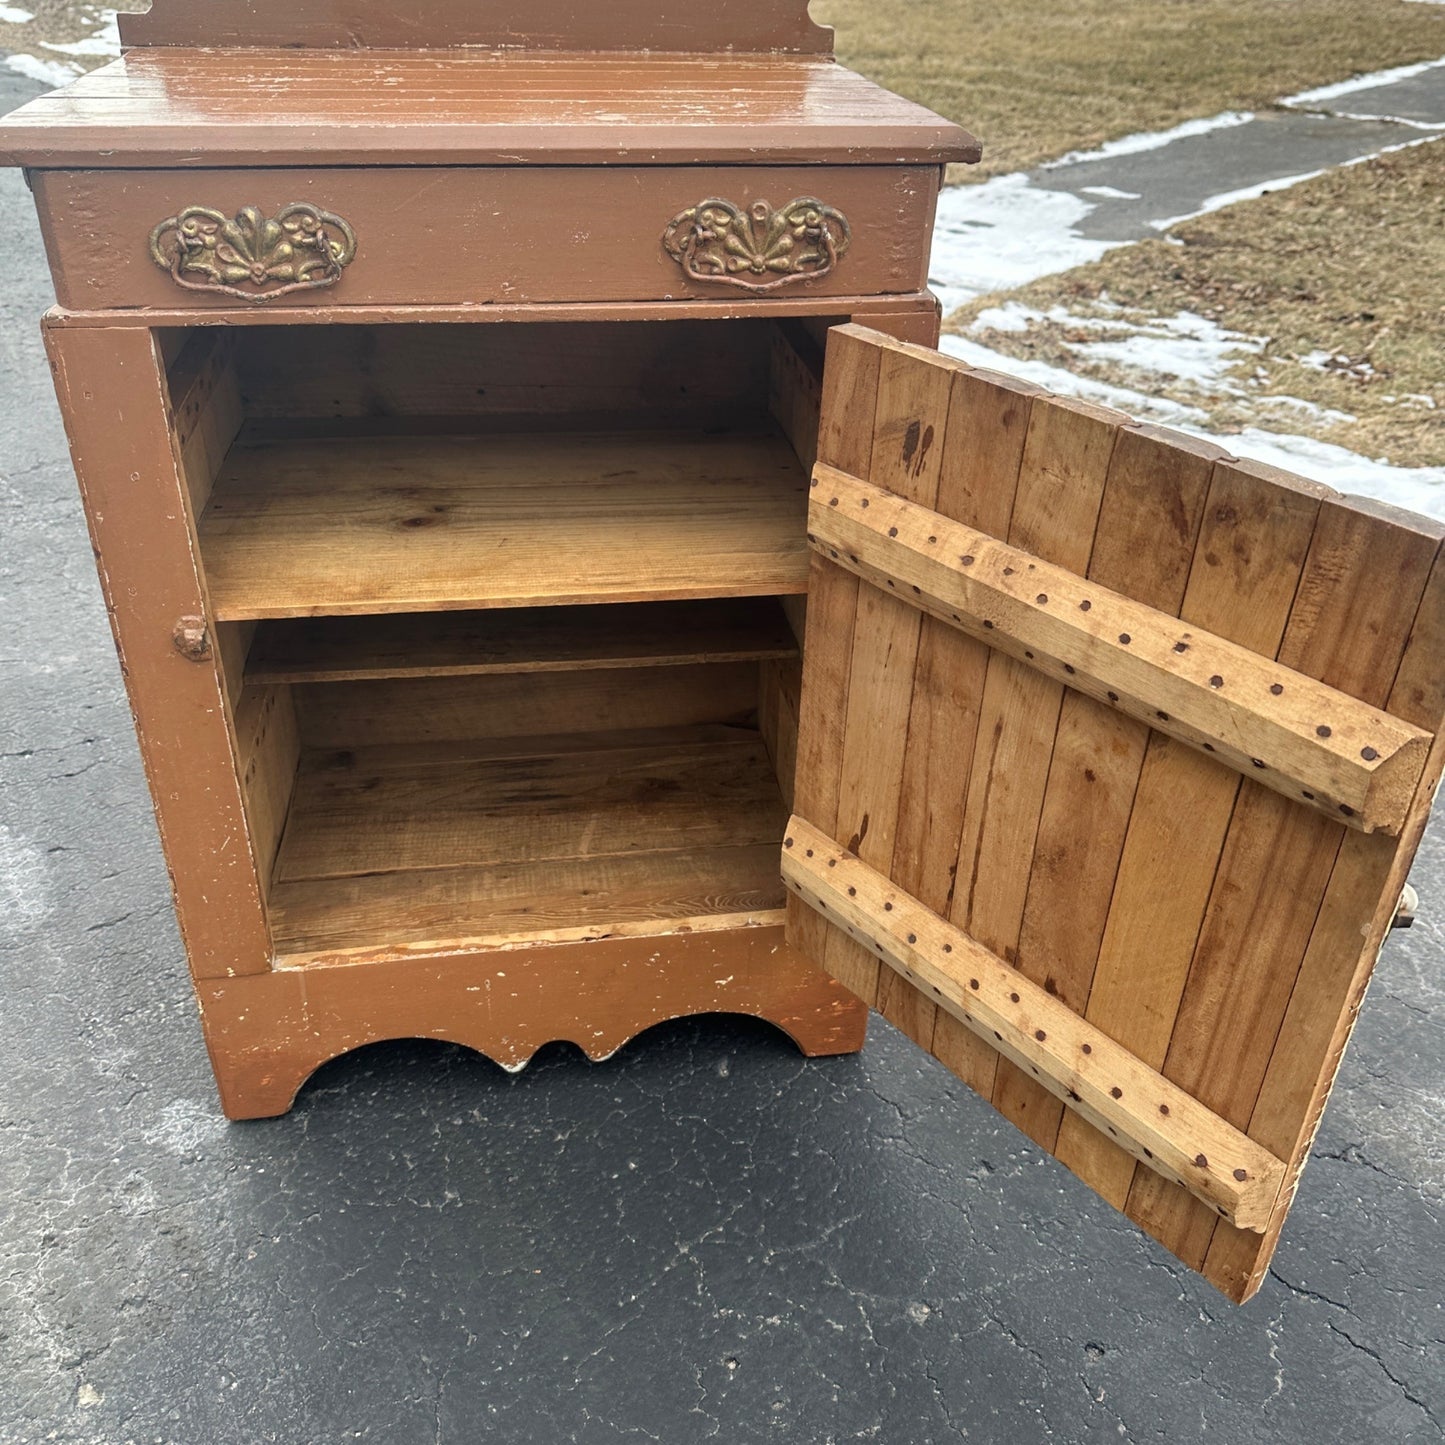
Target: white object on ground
{"type": "Point", "coordinates": [14, 15]}
{"type": "Point", "coordinates": [47, 72]}
{"type": "Point", "coordinates": [1004, 233]}
{"type": "Point", "coordinates": [1307, 98]}
{"type": "Point", "coordinates": [1186, 347]}
{"type": "Point", "coordinates": [1153, 140]}
{"type": "Point", "coordinates": [105, 41]}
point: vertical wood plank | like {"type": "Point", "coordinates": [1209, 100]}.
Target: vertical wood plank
{"type": "Point", "coordinates": [1344, 944]}
{"type": "Point", "coordinates": [779, 683]}
{"type": "Point", "coordinates": [1244, 574]}
{"type": "Point", "coordinates": [845, 440]}
{"type": "Point", "coordinates": [1065, 461]}
{"type": "Point", "coordinates": [1348, 630]}
{"type": "Point", "coordinates": [909, 426]}
{"type": "Point", "coordinates": [1153, 502]}
{"type": "Point", "coordinates": [268, 749]}
{"type": "Point", "coordinates": [122, 442]}
{"type": "Point", "coordinates": [987, 433]}
{"type": "Point", "coordinates": [981, 455]}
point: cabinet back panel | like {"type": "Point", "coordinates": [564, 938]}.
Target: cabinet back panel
{"type": "Point", "coordinates": [464, 709]}
{"type": "Point", "coordinates": [685, 369]}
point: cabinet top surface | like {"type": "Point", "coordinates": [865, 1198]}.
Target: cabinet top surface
{"type": "Point", "coordinates": [182, 107]}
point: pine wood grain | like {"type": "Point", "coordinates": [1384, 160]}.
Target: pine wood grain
{"type": "Point", "coordinates": [1255, 936]}
{"type": "Point", "coordinates": [366, 919]}
{"type": "Point", "coordinates": [337, 527]}
{"type": "Point", "coordinates": [268, 753]}
{"type": "Point", "coordinates": [1219, 931]}
{"type": "Point", "coordinates": [1304, 739]}
{"type": "Point", "coordinates": [1067, 454]}
{"type": "Point", "coordinates": [909, 423]}
{"type": "Point", "coordinates": [582, 375]}
{"type": "Point", "coordinates": [845, 439]}
{"type": "Point", "coordinates": [551, 639]}
{"type": "Point", "coordinates": [983, 458]}
{"type": "Point", "coordinates": [795, 387]}
{"type": "Point", "coordinates": [379, 814]}
{"type": "Point", "coordinates": [1352, 924]}
{"type": "Point", "coordinates": [780, 687]}
{"type": "Point", "coordinates": [520, 705]}
{"type": "Point", "coordinates": [1243, 576]}
{"type": "Point", "coordinates": [1162, 1124]}
{"type": "Point", "coordinates": [1148, 520]}
{"type": "Point", "coordinates": [544, 838]}
{"type": "Point", "coordinates": [206, 409]}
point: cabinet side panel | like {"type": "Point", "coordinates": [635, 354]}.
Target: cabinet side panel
{"type": "Point", "coordinates": [268, 745]}
{"type": "Point", "coordinates": [113, 397]}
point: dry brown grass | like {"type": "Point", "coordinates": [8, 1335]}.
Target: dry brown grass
{"type": "Point", "coordinates": [61, 22]}
{"type": "Point", "coordinates": [1351, 264]}
{"type": "Point", "coordinates": [1037, 78]}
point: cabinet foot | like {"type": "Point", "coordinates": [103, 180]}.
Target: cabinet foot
{"type": "Point", "coordinates": [268, 1033]}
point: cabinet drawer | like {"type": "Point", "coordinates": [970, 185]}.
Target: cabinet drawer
{"type": "Point", "coordinates": [485, 235]}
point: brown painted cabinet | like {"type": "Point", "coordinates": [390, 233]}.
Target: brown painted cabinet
{"type": "Point", "coordinates": [559, 590]}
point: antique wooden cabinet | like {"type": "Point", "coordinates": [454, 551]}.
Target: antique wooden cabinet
{"type": "Point", "coordinates": [467, 398]}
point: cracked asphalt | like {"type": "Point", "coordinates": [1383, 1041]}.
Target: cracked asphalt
{"type": "Point", "coordinates": [705, 1238]}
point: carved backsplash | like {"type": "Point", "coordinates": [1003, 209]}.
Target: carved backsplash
{"type": "Point", "coordinates": [683, 25]}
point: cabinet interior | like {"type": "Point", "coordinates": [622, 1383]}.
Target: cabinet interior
{"type": "Point", "coordinates": [509, 618]}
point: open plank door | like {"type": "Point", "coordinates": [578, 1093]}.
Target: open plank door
{"type": "Point", "coordinates": [1114, 755]}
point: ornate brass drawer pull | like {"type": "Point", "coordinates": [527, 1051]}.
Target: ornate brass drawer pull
{"type": "Point", "coordinates": [250, 257]}
{"type": "Point", "coordinates": [759, 248]}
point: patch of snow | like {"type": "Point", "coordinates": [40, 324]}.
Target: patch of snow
{"type": "Point", "coordinates": [1055, 378]}
{"type": "Point", "coordinates": [47, 72]}
{"type": "Point", "coordinates": [1011, 316]}
{"type": "Point", "coordinates": [1357, 368]}
{"type": "Point", "coordinates": [105, 41]}
{"type": "Point", "coordinates": [1429, 125]}
{"type": "Point", "coordinates": [1113, 193]}
{"type": "Point", "coordinates": [1307, 98]}
{"type": "Point", "coordinates": [14, 15]}
{"type": "Point", "coordinates": [1306, 408]}
{"type": "Point", "coordinates": [1004, 233]}
{"type": "Point", "coordinates": [1419, 489]}
{"type": "Point", "coordinates": [1187, 347]}
{"type": "Point", "coordinates": [1153, 140]}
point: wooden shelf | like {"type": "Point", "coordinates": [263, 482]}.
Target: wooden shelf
{"type": "Point", "coordinates": [346, 526]}
{"type": "Point", "coordinates": [533, 639]}
{"type": "Point", "coordinates": [415, 848]}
